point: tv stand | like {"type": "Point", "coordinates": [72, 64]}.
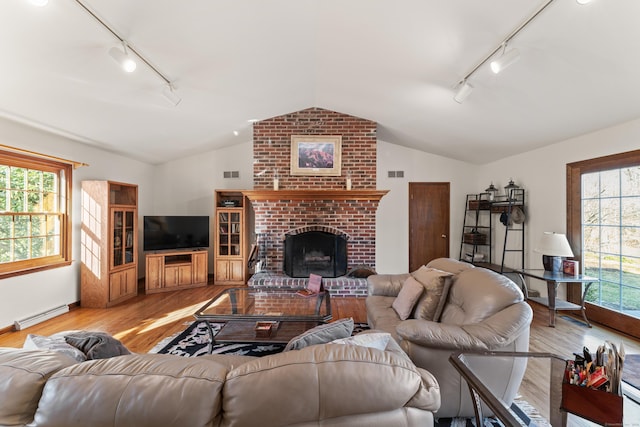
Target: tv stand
{"type": "Point", "coordinates": [175, 270]}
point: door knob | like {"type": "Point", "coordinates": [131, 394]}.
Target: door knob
{"type": "Point", "coordinates": [444, 236]}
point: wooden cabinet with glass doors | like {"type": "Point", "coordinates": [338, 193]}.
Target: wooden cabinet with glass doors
{"type": "Point", "coordinates": [230, 266]}
{"type": "Point", "coordinates": [109, 243]}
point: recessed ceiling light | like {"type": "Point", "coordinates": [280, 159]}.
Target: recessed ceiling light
{"type": "Point", "coordinates": [253, 120]}
{"type": "Point", "coordinates": [236, 133]}
{"type": "Point", "coordinates": [39, 3]}
{"type": "Point", "coordinates": [583, 1]}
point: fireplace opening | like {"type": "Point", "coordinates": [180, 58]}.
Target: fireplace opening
{"type": "Point", "coordinates": [316, 252]}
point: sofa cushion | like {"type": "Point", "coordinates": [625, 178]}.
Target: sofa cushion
{"type": "Point", "coordinates": [24, 374]}
{"type": "Point", "coordinates": [322, 334]}
{"type": "Point", "coordinates": [54, 342]}
{"type": "Point", "coordinates": [408, 297]}
{"type": "Point", "coordinates": [322, 383]}
{"type": "Point", "coordinates": [96, 345]}
{"type": "Point", "coordinates": [451, 265]}
{"type": "Point", "coordinates": [478, 294]}
{"type": "Point", "coordinates": [134, 390]}
{"type": "Point", "coordinates": [377, 340]}
{"type": "Point", "coordinates": [436, 284]}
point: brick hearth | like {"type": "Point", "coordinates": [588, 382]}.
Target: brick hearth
{"type": "Point", "coordinates": [340, 286]}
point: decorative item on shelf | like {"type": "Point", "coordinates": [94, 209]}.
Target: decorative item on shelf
{"type": "Point", "coordinates": [348, 180]}
{"type": "Point", "coordinates": [276, 181]}
{"type": "Point", "coordinates": [508, 189]}
{"type": "Point", "coordinates": [554, 247]}
{"type": "Point", "coordinates": [229, 203]}
{"type": "Point", "coordinates": [475, 238]}
{"type": "Point", "coordinates": [492, 191]}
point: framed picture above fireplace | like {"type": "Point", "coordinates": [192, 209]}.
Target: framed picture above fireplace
{"type": "Point", "coordinates": [316, 155]}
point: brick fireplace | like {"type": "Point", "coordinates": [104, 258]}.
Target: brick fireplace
{"type": "Point", "coordinates": [314, 201]}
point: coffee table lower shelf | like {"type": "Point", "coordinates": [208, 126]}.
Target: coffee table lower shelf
{"type": "Point", "coordinates": [244, 331]}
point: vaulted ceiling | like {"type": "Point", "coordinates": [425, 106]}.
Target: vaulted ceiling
{"type": "Point", "coordinates": [395, 62]}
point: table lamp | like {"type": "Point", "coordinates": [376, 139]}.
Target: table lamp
{"type": "Point", "coordinates": [554, 247]}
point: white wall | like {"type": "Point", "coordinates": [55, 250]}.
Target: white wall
{"type": "Point", "coordinates": [186, 186]}
{"type": "Point", "coordinates": [29, 294]}
{"type": "Point", "coordinates": [392, 222]}
{"type": "Point", "coordinates": [542, 173]}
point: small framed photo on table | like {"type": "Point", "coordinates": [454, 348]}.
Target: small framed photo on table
{"type": "Point", "coordinates": [571, 267]}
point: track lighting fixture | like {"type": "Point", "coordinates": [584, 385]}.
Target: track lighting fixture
{"type": "Point", "coordinates": [123, 58]}
{"type": "Point", "coordinates": [507, 58]}
{"type": "Point", "coordinates": [170, 94]}
{"type": "Point", "coordinates": [464, 90]}
{"type": "Point", "coordinates": [128, 56]}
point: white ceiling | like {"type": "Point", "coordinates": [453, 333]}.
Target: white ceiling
{"type": "Point", "coordinates": [395, 62]}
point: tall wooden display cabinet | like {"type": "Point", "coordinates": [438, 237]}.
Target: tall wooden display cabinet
{"type": "Point", "coordinates": [109, 243]}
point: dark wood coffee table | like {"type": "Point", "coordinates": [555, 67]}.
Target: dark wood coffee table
{"type": "Point", "coordinates": [241, 308]}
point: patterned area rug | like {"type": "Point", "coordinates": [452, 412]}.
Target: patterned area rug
{"type": "Point", "coordinates": [195, 341]}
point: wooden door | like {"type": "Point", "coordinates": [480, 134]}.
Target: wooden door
{"type": "Point", "coordinates": [428, 222]}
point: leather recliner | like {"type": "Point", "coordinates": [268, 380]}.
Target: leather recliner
{"type": "Point", "coordinates": [484, 311]}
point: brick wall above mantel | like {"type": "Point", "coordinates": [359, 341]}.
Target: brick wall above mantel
{"type": "Point", "coordinates": [272, 150]}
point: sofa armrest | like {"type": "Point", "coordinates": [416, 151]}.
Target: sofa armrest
{"type": "Point", "coordinates": [387, 285]}
{"type": "Point", "coordinates": [429, 397]}
{"type": "Point", "coordinates": [493, 333]}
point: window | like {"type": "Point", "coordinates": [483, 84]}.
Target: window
{"type": "Point", "coordinates": [603, 223]}
{"type": "Point", "coordinates": [611, 237]}
{"type": "Point", "coordinates": [35, 230]}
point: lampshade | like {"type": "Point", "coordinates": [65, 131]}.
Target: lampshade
{"type": "Point", "coordinates": [464, 90]}
{"type": "Point", "coordinates": [554, 244]}
{"type": "Point", "coordinates": [126, 61]}
{"type": "Point", "coordinates": [505, 60]}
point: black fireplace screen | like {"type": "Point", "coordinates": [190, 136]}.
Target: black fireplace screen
{"type": "Point", "coordinates": [315, 252]}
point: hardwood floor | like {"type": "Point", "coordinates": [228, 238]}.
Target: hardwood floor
{"type": "Point", "coordinates": [144, 320]}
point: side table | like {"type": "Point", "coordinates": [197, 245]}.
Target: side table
{"type": "Point", "coordinates": [553, 280]}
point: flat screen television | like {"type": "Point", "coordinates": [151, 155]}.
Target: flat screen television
{"type": "Point", "coordinates": [175, 232]}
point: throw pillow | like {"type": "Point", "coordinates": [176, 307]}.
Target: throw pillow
{"type": "Point", "coordinates": [321, 334]}
{"type": "Point", "coordinates": [96, 345]}
{"type": "Point", "coordinates": [407, 297]}
{"type": "Point", "coordinates": [377, 340]}
{"type": "Point", "coordinates": [436, 284]}
{"type": "Point", "coordinates": [53, 343]}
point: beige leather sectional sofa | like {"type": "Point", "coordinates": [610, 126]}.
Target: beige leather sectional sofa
{"type": "Point", "coordinates": [321, 385]}
{"type": "Point", "coordinates": [481, 311]}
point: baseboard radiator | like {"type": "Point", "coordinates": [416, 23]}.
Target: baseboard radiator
{"type": "Point", "coordinates": [40, 317]}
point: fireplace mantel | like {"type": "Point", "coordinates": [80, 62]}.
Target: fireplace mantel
{"type": "Point", "coordinates": [375, 195]}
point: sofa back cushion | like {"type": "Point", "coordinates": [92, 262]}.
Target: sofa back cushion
{"type": "Point", "coordinates": [134, 390]}
{"type": "Point", "coordinates": [23, 374]}
{"type": "Point", "coordinates": [320, 383]}
{"type": "Point", "coordinates": [449, 264]}
{"type": "Point", "coordinates": [477, 294]}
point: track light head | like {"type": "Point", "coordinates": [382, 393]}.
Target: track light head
{"type": "Point", "coordinates": [170, 94]}
{"type": "Point", "coordinates": [123, 58]}
{"type": "Point", "coordinates": [464, 90]}
{"type": "Point", "coordinates": [505, 60]}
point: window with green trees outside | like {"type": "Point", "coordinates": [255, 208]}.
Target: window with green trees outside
{"type": "Point", "coordinates": [34, 213]}
{"type": "Point", "coordinates": [611, 237]}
